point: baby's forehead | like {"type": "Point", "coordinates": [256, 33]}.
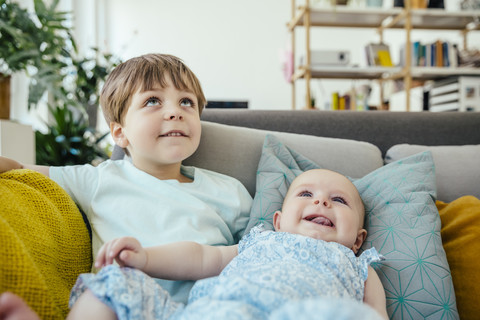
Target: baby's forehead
{"type": "Point", "coordinates": [319, 176]}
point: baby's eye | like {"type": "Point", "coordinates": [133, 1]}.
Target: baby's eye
{"type": "Point", "coordinates": [305, 194]}
{"type": "Point", "coordinates": [186, 102]}
{"type": "Point", "coordinates": [152, 101]}
{"type": "Point", "coordinates": [339, 199]}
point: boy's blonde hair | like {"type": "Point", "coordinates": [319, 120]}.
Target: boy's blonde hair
{"type": "Point", "coordinates": [144, 73]}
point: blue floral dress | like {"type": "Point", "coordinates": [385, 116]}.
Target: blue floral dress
{"type": "Point", "coordinates": [276, 275]}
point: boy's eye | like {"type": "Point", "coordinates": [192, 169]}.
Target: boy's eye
{"type": "Point", "coordinates": [186, 102]}
{"type": "Point", "coordinates": [305, 194]}
{"type": "Point", "coordinates": [152, 101]}
{"type": "Point", "coordinates": [339, 199]}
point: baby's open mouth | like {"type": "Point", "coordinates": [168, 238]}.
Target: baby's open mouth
{"type": "Point", "coordinates": [321, 220]}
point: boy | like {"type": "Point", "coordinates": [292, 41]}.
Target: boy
{"type": "Point", "coordinates": [311, 257]}
{"type": "Point", "coordinates": [152, 104]}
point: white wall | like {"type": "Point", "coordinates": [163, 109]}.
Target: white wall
{"type": "Point", "coordinates": [235, 47]}
{"type": "Point", "coordinates": [232, 46]}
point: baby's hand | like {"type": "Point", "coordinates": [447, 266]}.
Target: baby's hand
{"type": "Point", "coordinates": [127, 251]}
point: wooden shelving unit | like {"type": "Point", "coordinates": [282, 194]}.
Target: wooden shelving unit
{"type": "Point", "coordinates": [380, 19]}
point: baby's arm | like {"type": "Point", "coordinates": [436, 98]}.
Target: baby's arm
{"type": "Point", "coordinates": [175, 261]}
{"type": "Point", "coordinates": [375, 294]}
{"type": "Point", "coordinates": [7, 164]}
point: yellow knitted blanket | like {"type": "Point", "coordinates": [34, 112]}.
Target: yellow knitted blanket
{"type": "Point", "coordinates": [44, 243]}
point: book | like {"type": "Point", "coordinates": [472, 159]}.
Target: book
{"type": "Point", "coordinates": [341, 103]}
{"type": "Point", "coordinates": [445, 53]}
{"type": "Point", "coordinates": [439, 53]}
{"type": "Point", "coordinates": [384, 58]}
{"type": "Point", "coordinates": [367, 56]}
{"type": "Point", "coordinates": [434, 54]}
{"type": "Point", "coordinates": [415, 56]}
{"type": "Point", "coordinates": [453, 55]}
{"type": "Point", "coordinates": [446, 88]}
{"type": "Point", "coordinates": [378, 54]}
{"type": "Point", "coordinates": [422, 59]}
{"type": "Point", "coordinates": [451, 106]}
{"type": "Point", "coordinates": [449, 97]}
{"type": "Point", "coordinates": [335, 103]}
{"type": "Point", "coordinates": [428, 55]}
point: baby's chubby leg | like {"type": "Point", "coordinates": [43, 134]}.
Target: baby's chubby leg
{"type": "Point", "coordinates": [127, 293]}
{"type": "Point", "coordinates": [88, 306]}
{"type": "Point", "coordinates": [12, 307]}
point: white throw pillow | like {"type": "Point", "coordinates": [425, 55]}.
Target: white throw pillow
{"type": "Point", "coordinates": [457, 168]}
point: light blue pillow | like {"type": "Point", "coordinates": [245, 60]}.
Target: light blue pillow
{"type": "Point", "coordinates": [402, 221]}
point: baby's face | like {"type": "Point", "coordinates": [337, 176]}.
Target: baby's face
{"type": "Point", "coordinates": [324, 205]}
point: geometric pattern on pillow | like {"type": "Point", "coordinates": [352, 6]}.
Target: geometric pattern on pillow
{"type": "Point", "coordinates": [404, 225]}
{"type": "Point", "coordinates": [401, 219]}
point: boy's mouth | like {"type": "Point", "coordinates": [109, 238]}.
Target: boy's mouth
{"type": "Point", "coordinates": [321, 220]}
{"type": "Point", "coordinates": [174, 134]}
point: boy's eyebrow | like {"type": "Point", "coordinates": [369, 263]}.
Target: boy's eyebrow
{"type": "Point", "coordinates": [162, 88]}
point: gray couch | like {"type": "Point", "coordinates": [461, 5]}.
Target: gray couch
{"type": "Point", "coordinates": [51, 246]}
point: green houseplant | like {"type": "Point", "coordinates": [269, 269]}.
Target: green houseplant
{"type": "Point", "coordinates": [40, 44]}
{"type": "Point", "coordinates": [69, 140]}
{"type": "Point", "coordinates": [71, 137]}
{"type": "Point", "coordinates": [35, 43]}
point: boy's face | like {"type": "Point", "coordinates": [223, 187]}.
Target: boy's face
{"type": "Point", "coordinates": [324, 205]}
{"type": "Point", "coordinates": [161, 128]}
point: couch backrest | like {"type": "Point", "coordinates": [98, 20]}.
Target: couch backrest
{"type": "Point", "coordinates": [236, 151]}
{"type": "Point", "coordinates": [381, 128]}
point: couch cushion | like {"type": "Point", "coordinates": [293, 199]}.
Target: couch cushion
{"type": "Point", "coordinates": [402, 222]}
{"type": "Point", "coordinates": [457, 168]}
{"type": "Point", "coordinates": [235, 151]}
{"type": "Point", "coordinates": [45, 244]}
{"type": "Point", "coordinates": [460, 235]}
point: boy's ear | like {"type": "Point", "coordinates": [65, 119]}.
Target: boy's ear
{"type": "Point", "coordinates": [276, 220]}
{"type": "Point", "coordinates": [361, 236]}
{"type": "Point", "coordinates": [116, 130]}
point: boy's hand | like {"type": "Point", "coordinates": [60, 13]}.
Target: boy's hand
{"type": "Point", "coordinates": [7, 164]}
{"type": "Point", "coordinates": [127, 251]}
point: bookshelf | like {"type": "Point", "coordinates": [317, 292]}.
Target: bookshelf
{"type": "Point", "coordinates": [380, 19]}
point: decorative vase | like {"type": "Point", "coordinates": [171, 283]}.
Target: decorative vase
{"type": "Point", "coordinates": [5, 97]}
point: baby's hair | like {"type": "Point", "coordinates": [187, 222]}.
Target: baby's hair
{"type": "Point", "coordinates": [145, 73]}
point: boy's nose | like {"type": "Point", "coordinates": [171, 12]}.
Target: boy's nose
{"type": "Point", "coordinates": [175, 116]}
{"type": "Point", "coordinates": [173, 113]}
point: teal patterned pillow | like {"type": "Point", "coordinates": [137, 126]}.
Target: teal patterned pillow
{"type": "Point", "coordinates": [402, 221]}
